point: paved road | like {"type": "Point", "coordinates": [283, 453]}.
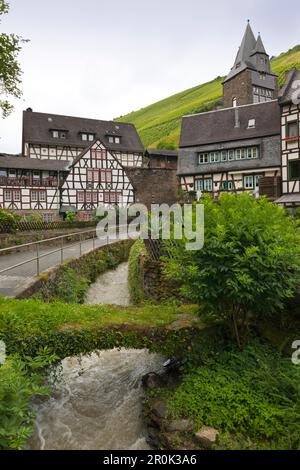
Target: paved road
{"type": "Point", "coordinates": [15, 281]}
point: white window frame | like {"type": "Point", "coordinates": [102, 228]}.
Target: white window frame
{"type": "Point", "coordinates": [207, 185]}
{"type": "Point", "coordinates": [34, 199]}
{"type": "Point", "coordinates": [8, 196]}
{"type": "Point", "coordinates": [248, 182]}
{"type": "Point", "coordinates": [224, 153]}
{"type": "Point", "coordinates": [214, 157]}
{"type": "Point", "coordinates": [42, 198]}
{"type": "Point", "coordinates": [231, 155]}
{"type": "Point", "coordinates": [199, 184]}
{"type": "Point", "coordinates": [80, 197]}
{"type": "Point", "coordinates": [238, 154]}
{"type": "Point", "coordinates": [203, 158]}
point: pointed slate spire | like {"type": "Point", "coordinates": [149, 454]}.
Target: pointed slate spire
{"type": "Point", "coordinates": [243, 58]}
{"type": "Point", "coordinates": [259, 47]}
{"type": "Point", "coordinates": [247, 46]}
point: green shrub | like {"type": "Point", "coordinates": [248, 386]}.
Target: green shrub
{"type": "Point", "coordinates": [137, 294]}
{"type": "Point", "coordinates": [20, 381]}
{"type": "Point", "coordinates": [251, 397]}
{"type": "Point", "coordinates": [69, 286]}
{"type": "Point", "coordinates": [249, 265]}
{"type": "Point", "coordinates": [70, 216]}
{"type": "Point", "coordinates": [7, 221]}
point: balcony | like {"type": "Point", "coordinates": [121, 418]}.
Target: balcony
{"type": "Point", "coordinates": [26, 181]}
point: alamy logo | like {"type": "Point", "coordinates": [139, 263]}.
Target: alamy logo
{"type": "Point", "coordinates": [296, 93]}
{"type": "Point", "coordinates": [2, 352]}
{"type": "Point", "coordinates": [296, 354]}
{"type": "Point", "coordinates": [162, 222]}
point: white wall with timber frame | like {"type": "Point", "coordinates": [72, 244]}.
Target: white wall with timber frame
{"type": "Point", "coordinates": [232, 181]}
{"type": "Point", "coordinates": [97, 178]}
{"type": "Point", "coordinates": [69, 153]}
{"type": "Point", "coordinates": [29, 198]}
{"type": "Point", "coordinates": [290, 148]}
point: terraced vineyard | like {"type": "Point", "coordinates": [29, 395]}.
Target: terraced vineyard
{"type": "Point", "coordinates": [159, 123]}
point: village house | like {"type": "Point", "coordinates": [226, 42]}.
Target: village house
{"type": "Point", "coordinates": [289, 100]}
{"type": "Point", "coordinates": [232, 149]}
{"type": "Point", "coordinates": [69, 163]}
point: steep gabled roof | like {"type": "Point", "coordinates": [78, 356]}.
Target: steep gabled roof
{"type": "Point", "coordinates": [219, 126]}
{"type": "Point", "coordinates": [37, 126]}
{"type": "Point", "coordinates": [246, 54]}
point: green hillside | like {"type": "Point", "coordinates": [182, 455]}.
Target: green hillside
{"type": "Point", "coordinates": [159, 123]}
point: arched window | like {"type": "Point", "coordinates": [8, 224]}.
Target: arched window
{"type": "Point", "coordinates": [234, 103]}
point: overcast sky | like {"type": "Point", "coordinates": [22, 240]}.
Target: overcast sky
{"type": "Point", "coordinates": [102, 59]}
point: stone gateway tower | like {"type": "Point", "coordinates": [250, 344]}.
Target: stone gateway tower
{"type": "Point", "coordinates": [250, 80]}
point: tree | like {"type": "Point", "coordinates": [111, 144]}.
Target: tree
{"type": "Point", "coordinates": [10, 71]}
{"type": "Point", "coordinates": [249, 265]}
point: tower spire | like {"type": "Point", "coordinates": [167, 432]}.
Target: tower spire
{"type": "Point", "coordinates": [243, 58]}
{"type": "Point", "coordinates": [259, 47]}
{"type": "Point", "coordinates": [250, 80]}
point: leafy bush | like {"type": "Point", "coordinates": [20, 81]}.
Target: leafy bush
{"type": "Point", "coordinates": [71, 216]}
{"type": "Point", "coordinates": [136, 290]}
{"type": "Point", "coordinates": [249, 265]}
{"type": "Point", "coordinates": [251, 397]}
{"type": "Point", "coordinates": [69, 286]}
{"type": "Point", "coordinates": [7, 221]}
{"type": "Point", "coordinates": [20, 381]}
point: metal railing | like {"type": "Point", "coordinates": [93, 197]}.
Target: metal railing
{"type": "Point", "coordinates": [61, 249]}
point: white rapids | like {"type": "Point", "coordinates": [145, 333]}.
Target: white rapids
{"type": "Point", "coordinates": [96, 404]}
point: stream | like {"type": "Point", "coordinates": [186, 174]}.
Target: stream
{"type": "Point", "coordinates": [96, 404]}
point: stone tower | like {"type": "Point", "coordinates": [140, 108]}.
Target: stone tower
{"type": "Point", "coordinates": [250, 80]}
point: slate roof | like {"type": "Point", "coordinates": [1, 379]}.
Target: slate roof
{"type": "Point", "coordinates": [26, 163]}
{"type": "Point", "coordinates": [37, 126]}
{"type": "Point", "coordinates": [219, 126]}
{"type": "Point", "coordinates": [286, 92]}
{"type": "Point", "coordinates": [248, 48]}
{"type": "Point", "coordinates": [161, 153]}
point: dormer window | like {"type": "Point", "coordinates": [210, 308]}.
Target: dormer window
{"type": "Point", "coordinates": [57, 134]}
{"type": "Point", "coordinates": [87, 137]}
{"type": "Point", "coordinates": [114, 139]}
{"type": "Point", "coordinates": [251, 124]}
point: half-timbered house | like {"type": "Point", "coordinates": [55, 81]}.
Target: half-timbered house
{"type": "Point", "coordinates": [69, 164]}
{"type": "Point", "coordinates": [289, 99]}
{"type": "Point", "coordinates": [96, 177]}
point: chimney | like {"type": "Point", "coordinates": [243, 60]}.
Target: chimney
{"type": "Point", "coordinates": [236, 118]}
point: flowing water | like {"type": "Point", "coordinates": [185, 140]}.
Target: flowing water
{"type": "Point", "coordinates": [96, 405]}
{"type": "Point", "coordinates": [110, 288]}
